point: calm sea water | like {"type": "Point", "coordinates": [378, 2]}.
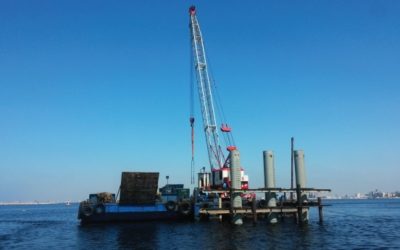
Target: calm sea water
{"type": "Point", "coordinates": [349, 224]}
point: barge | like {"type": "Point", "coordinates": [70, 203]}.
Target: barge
{"type": "Point", "coordinates": [139, 200]}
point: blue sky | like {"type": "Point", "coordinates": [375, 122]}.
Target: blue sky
{"type": "Point", "coordinates": [92, 89]}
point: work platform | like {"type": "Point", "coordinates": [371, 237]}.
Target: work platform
{"type": "Point", "coordinates": [214, 207]}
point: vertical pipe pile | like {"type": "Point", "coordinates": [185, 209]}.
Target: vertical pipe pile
{"type": "Point", "coordinates": [300, 182]}
{"type": "Point", "coordinates": [291, 166]}
{"type": "Point", "coordinates": [269, 182]}
{"type": "Point", "coordinates": [300, 168]}
{"type": "Point", "coordinates": [321, 217]}
{"type": "Point", "coordinates": [235, 172]}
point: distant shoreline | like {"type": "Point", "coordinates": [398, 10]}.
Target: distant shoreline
{"type": "Point", "coordinates": [363, 198]}
{"type": "Point", "coordinates": [18, 203]}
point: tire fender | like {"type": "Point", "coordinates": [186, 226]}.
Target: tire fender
{"type": "Point", "coordinates": [87, 210]}
{"type": "Point", "coordinates": [100, 209]}
{"type": "Point", "coordinates": [170, 206]}
{"type": "Point", "coordinates": [185, 208]}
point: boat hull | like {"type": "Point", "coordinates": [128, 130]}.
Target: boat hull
{"type": "Point", "coordinates": [126, 213]}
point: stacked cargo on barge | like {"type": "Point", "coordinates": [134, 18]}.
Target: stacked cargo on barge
{"type": "Point", "coordinates": [139, 201]}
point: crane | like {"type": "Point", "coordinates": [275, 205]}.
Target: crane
{"type": "Point", "coordinates": [218, 163]}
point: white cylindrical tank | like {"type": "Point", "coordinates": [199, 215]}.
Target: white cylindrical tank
{"type": "Point", "coordinates": [203, 180]}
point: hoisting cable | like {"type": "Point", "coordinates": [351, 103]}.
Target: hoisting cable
{"type": "Point", "coordinates": [217, 101]}
{"type": "Point", "coordinates": [192, 162]}
{"type": "Point", "coordinates": [228, 137]}
{"type": "Point", "coordinates": [191, 119]}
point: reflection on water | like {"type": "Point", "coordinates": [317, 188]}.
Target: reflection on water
{"type": "Point", "coordinates": [122, 235]}
{"type": "Point", "coordinates": [137, 236]}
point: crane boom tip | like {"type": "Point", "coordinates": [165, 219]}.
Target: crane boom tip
{"type": "Point", "coordinates": [192, 10]}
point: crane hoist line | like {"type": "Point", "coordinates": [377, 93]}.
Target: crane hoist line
{"type": "Point", "coordinates": [219, 164]}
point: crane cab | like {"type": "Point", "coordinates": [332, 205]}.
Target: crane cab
{"type": "Point", "coordinates": [203, 180]}
{"type": "Point", "coordinates": [220, 179]}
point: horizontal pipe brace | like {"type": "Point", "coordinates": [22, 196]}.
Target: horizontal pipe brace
{"type": "Point", "coordinates": [265, 190]}
{"type": "Point", "coordinates": [249, 210]}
